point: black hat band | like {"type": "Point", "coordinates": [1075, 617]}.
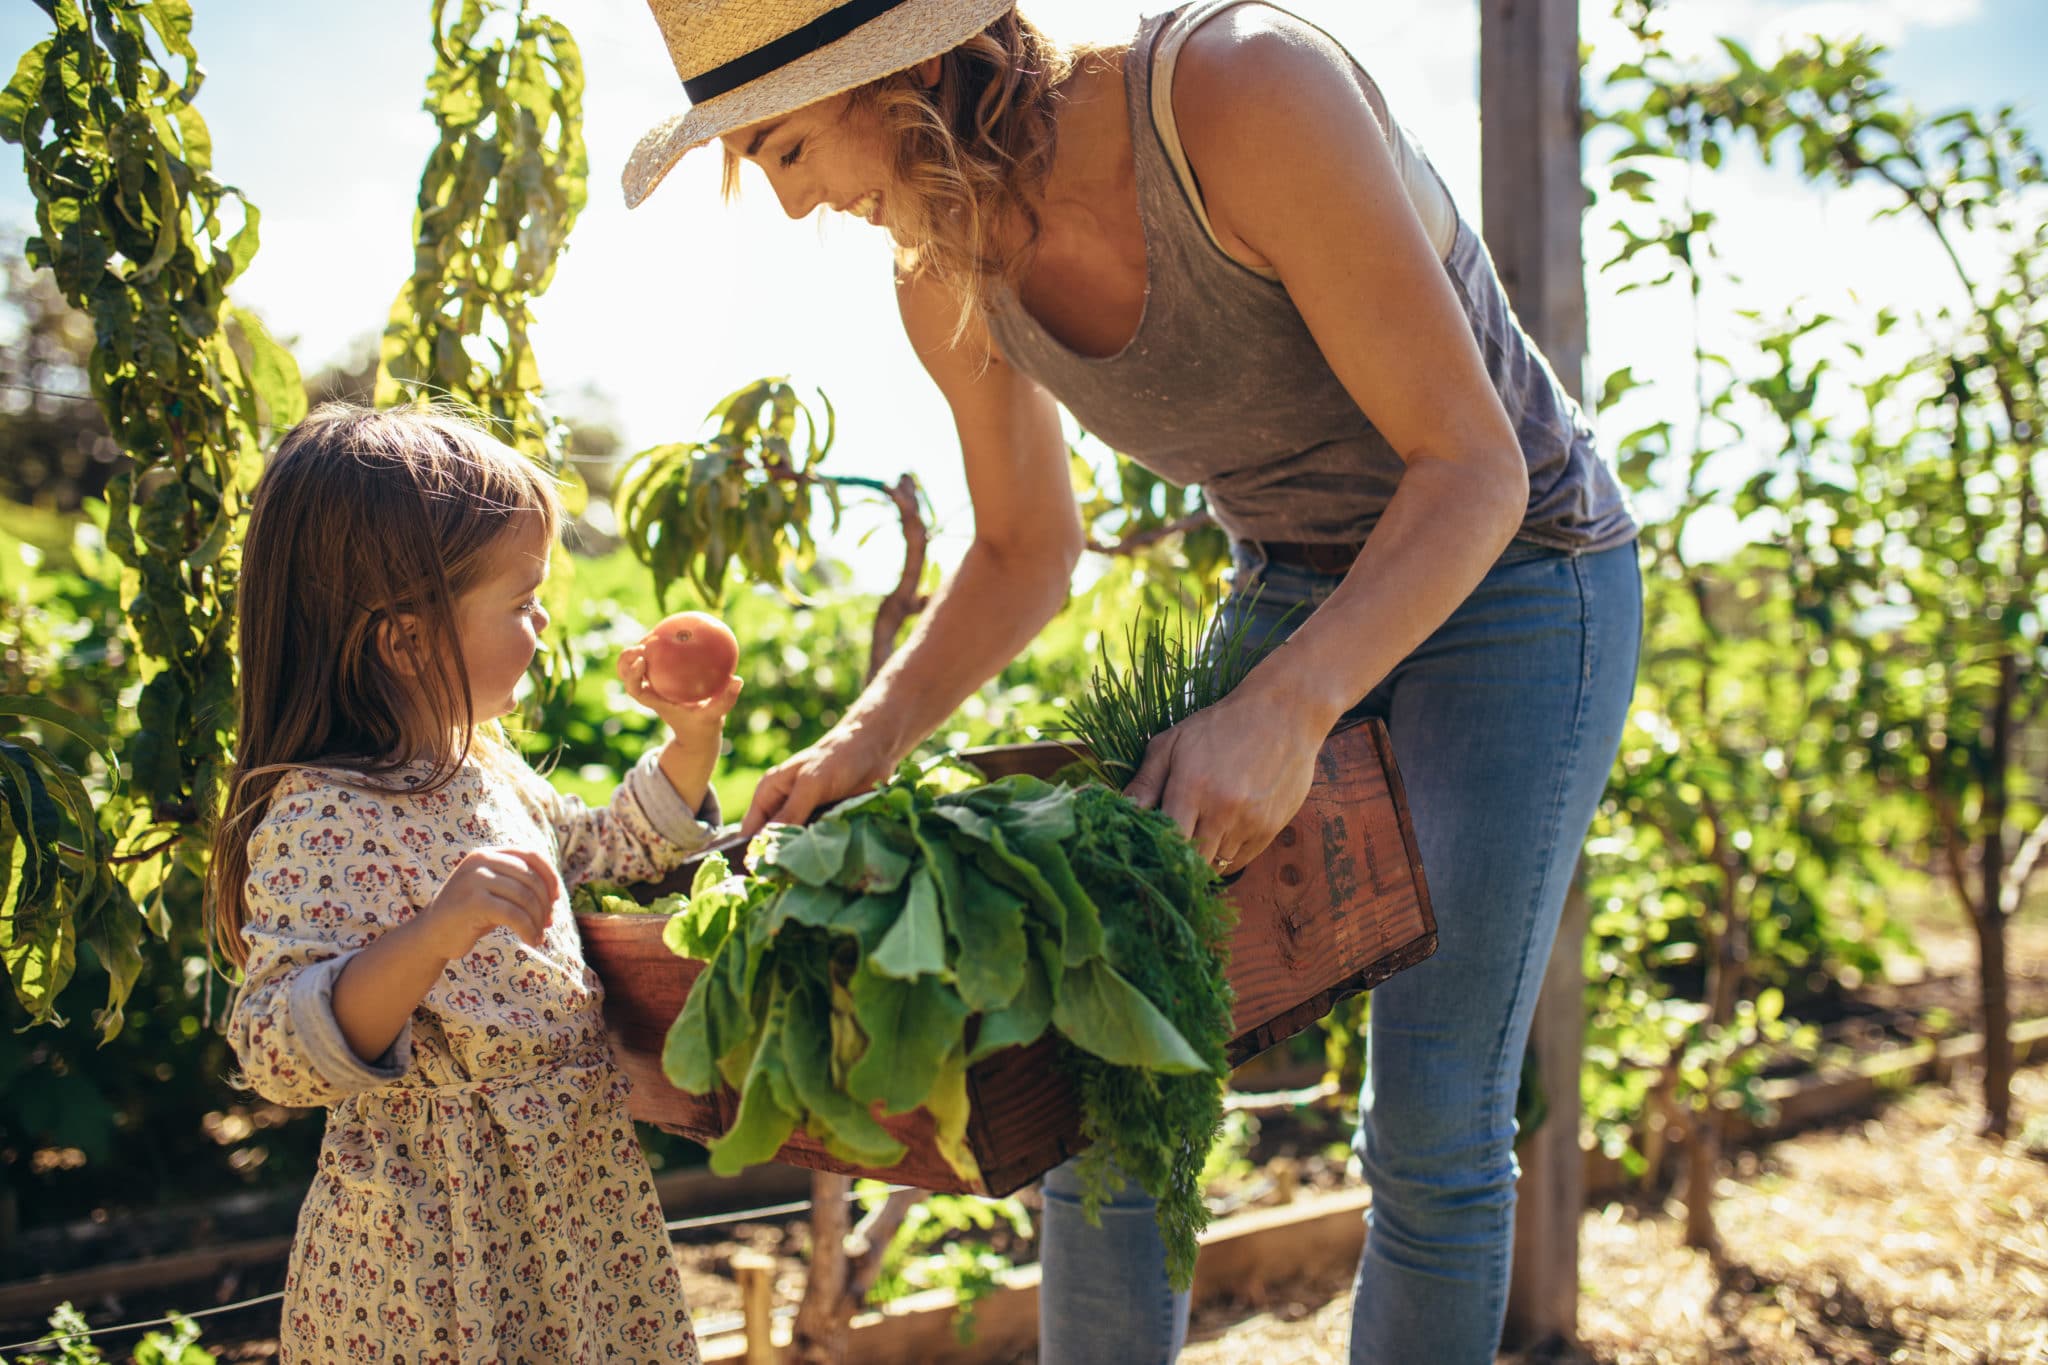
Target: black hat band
{"type": "Point", "coordinates": [827, 28]}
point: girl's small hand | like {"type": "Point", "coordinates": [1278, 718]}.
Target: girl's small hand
{"type": "Point", "coordinates": [693, 717]}
{"type": "Point", "coordinates": [491, 888]}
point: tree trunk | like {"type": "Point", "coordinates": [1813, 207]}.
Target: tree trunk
{"type": "Point", "coordinates": [1997, 1010]}
{"type": "Point", "coordinates": [904, 600]}
{"type": "Point", "coordinates": [826, 1314]}
{"type": "Point", "coordinates": [1990, 911]}
{"type": "Point", "coordinates": [1726, 970]}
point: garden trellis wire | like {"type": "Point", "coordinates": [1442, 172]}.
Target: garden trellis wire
{"type": "Point", "coordinates": [674, 1225]}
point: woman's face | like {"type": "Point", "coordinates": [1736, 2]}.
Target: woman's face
{"type": "Point", "coordinates": [832, 153]}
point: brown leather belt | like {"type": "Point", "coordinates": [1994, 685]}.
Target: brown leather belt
{"type": "Point", "coordinates": [1316, 557]}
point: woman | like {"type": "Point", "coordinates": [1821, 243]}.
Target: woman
{"type": "Point", "coordinates": [1218, 250]}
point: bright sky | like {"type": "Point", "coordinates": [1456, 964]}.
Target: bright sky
{"type": "Point", "coordinates": [314, 111]}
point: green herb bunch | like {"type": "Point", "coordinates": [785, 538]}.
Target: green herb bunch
{"type": "Point", "coordinates": [1173, 668]}
{"type": "Point", "coordinates": [883, 950]}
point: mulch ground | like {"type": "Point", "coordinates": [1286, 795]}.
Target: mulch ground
{"type": "Point", "coordinates": [1901, 1237]}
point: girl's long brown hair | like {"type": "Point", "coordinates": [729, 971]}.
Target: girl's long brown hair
{"type": "Point", "coordinates": [973, 152]}
{"type": "Point", "coordinates": [366, 528]}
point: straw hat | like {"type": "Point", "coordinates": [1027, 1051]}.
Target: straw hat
{"type": "Point", "coordinates": [743, 61]}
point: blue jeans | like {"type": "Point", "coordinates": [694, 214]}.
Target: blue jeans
{"type": "Point", "coordinates": [1505, 724]}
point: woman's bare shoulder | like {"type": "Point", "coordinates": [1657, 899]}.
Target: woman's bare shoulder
{"type": "Point", "coordinates": [1255, 59]}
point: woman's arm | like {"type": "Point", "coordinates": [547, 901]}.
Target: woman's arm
{"type": "Point", "coordinates": [1296, 173]}
{"type": "Point", "coordinates": [1013, 579]}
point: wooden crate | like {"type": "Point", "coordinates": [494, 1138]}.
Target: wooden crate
{"type": "Point", "coordinates": [1022, 1121]}
{"type": "Point", "coordinates": [1334, 906]}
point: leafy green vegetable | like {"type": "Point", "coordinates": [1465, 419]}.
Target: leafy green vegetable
{"type": "Point", "coordinates": [813, 856]}
{"type": "Point", "coordinates": [882, 951]}
{"type": "Point", "coordinates": [1166, 911]}
{"type": "Point", "coordinates": [604, 898]}
{"type": "Point", "coordinates": [916, 945]}
{"type": "Point", "coordinates": [1104, 1014]}
{"type": "Point", "coordinates": [767, 1100]}
{"type": "Point", "coordinates": [845, 1126]}
{"type": "Point", "coordinates": [910, 1026]}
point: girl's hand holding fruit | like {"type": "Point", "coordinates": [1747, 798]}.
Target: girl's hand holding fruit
{"type": "Point", "coordinates": [682, 670]}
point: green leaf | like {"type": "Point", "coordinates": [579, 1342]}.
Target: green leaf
{"type": "Point", "coordinates": [22, 92]}
{"type": "Point", "coordinates": [941, 861]}
{"type": "Point", "coordinates": [241, 248]}
{"type": "Point", "coordinates": [1106, 1016]}
{"type": "Point", "coordinates": [57, 717]}
{"type": "Point", "coordinates": [112, 928]}
{"type": "Point", "coordinates": [867, 919]}
{"type": "Point", "coordinates": [846, 1128]}
{"type": "Point", "coordinates": [1041, 871]}
{"type": "Point", "coordinates": [1021, 1021]}
{"type": "Point", "coordinates": [1081, 936]}
{"type": "Point", "coordinates": [763, 1123]}
{"type": "Point", "coordinates": [813, 855]}
{"type": "Point", "coordinates": [710, 872]}
{"type": "Point", "coordinates": [71, 793]}
{"type": "Point", "coordinates": [1038, 810]}
{"type": "Point", "coordinates": [11, 842]}
{"type": "Point", "coordinates": [975, 825]}
{"type": "Point", "coordinates": [702, 924]}
{"type": "Point", "coordinates": [872, 863]}
{"type": "Point", "coordinates": [916, 945]}
{"type": "Point", "coordinates": [988, 926]}
{"type": "Point", "coordinates": [33, 817]}
{"type": "Point", "coordinates": [910, 1025]}
{"type": "Point", "coordinates": [714, 1020]}
{"type": "Point", "coordinates": [272, 370]}
{"type": "Point", "coordinates": [816, 906]}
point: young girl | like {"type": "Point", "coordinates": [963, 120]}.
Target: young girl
{"type": "Point", "coordinates": [393, 879]}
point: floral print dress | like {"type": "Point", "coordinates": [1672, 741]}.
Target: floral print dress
{"type": "Point", "coordinates": [480, 1194]}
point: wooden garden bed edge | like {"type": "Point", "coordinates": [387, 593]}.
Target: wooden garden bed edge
{"type": "Point", "coordinates": [1241, 1255]}
{"type": "Point", "coordinates": [1802, 1102]}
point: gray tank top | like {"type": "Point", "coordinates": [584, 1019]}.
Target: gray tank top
{"type": "Point", "coordinates": [1223, 385]}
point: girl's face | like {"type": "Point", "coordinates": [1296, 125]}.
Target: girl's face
{"type": "Point", "coordinates": [499, 620]}
{"type": "Point", "coordinates": [829, 153]}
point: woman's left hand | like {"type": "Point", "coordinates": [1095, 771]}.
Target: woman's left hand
{"type": "Point", "coordinates": [1229, 777]}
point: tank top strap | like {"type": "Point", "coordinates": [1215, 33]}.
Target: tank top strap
{"type": "Point", "coordinates": [1158, 56]}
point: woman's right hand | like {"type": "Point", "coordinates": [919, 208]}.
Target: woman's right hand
{"type": "Point", "coordinates": [491, 888]}
{"type": "Point", "coordinates": [848, 760]}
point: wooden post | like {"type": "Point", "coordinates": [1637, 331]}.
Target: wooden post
{"type": "Point", "coordinates": [1529, 164]}
{"type": "Point", "coordinates": [756, 1276]}
{"type": "Point", "coordinates": [1530, 184]}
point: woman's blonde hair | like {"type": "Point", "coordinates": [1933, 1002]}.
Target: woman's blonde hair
{"type": "Point", "coordinates": [973, 149]}
{"type": "Point", "coordinates": [366, 528]}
